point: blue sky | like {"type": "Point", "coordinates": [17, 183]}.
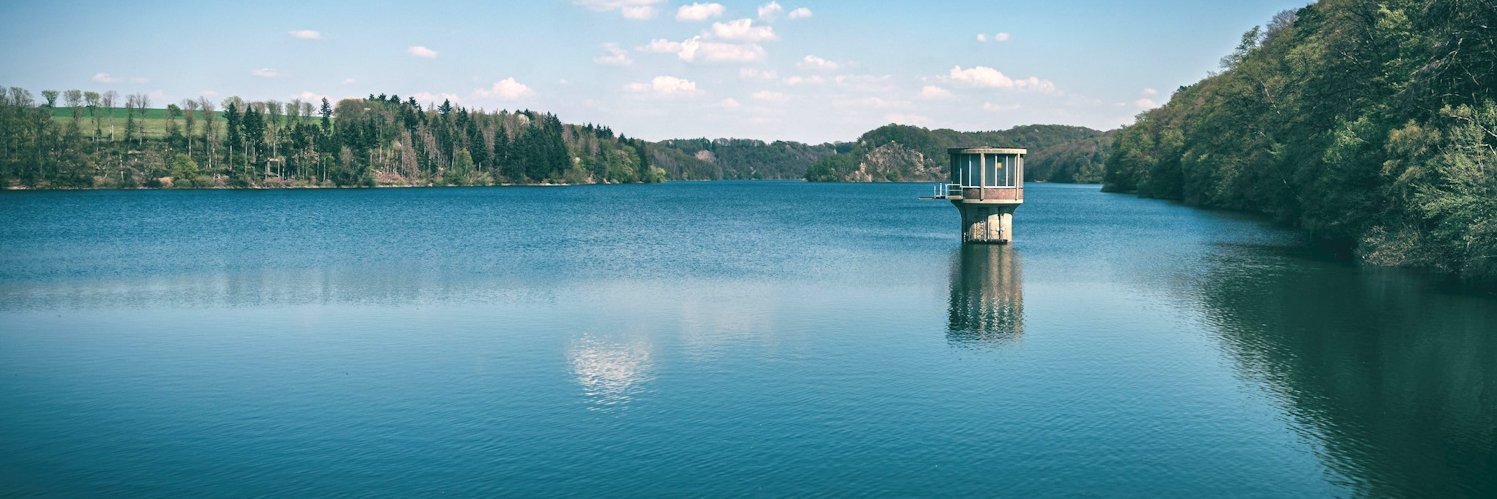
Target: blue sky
{"type": "Point", "coordinates": [795, 70]}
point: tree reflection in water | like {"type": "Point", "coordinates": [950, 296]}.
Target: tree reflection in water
{"type": "Point", "coordinates": [1395, 377]}
{"type": "Point", "coordinates": [987, 297]}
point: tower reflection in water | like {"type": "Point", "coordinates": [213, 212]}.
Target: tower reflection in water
{"type": "Point", "coordinates": [987, 296]}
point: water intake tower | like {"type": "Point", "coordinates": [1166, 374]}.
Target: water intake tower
{"type": "Point", "coordinates": [986, 184]}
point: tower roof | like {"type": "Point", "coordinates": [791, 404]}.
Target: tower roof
{"type": "Point", "coordinates": [986, 150]}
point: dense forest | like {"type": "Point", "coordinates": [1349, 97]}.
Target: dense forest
{"type": "Point", "coordinates": [1372, 124]}
{"type": "Point", "coordinates": [88, 140]}
{"type": "Point", "coordinates": [741, 158]}
{"type": "Point", "coordinates": [1057, 153]}
{"type": "Point", "coordinates": [77, 139]}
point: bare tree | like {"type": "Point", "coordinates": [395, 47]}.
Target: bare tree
{"type": "Point", "coordinates": [293, 109]}
{"type": "Point", "coordinates": [75, 104]}
{"type": "Point", "coordinates": [130, 126]}
{"type": "Point", "coordinates": [142, 102]}
{"type": "Point", "coordinates": [273, 107]}
{"type": "Point", "coordinates": [189, 121]}
{"type": "Point", "coordinates": [172, 131]}
{"type": "Point", "coordinates": [1284, 19]}
{"type": "Point", "coordinates": [91, 99]}
{"type": "Point", "coordinates": [109, 98]}
{"type": "Point", "coordinates": [209, 135]}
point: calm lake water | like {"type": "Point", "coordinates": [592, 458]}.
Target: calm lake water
{"type": "Point", "coordinates": [771, 338]}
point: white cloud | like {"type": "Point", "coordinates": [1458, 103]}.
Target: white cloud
{"type": "Point", "coordinates": [1037, 85]}
{"type": "Point", "coordinates": [797, 80]}
{"type": "Point", "coordinates": [661, 46]}
{"type": "Point", "coordinates": [422, 51]}
{"type": "Point", "coordinates": [934, 92]}
{"type": "Point", "coordinates": [769, 11]}
{"type": "Point", "coordinates": [983, 76]}
{"type": "Point", "coordinates": [991, 107]}
{"type": "Point", "coordinates": [730, 52]}
{"type": "Point", "coordinates": [349, 81]}
{"type": "Point", "coordinates": [266, 72]}
{"type": "Point", "coordinates": [638, 12]}
{"type": "Point", "coordinates": [666, 86]}
{"type": "Point", "coordinates": [813, 62]}
{"type": "Point", "coordinates": [1146, 103]}
{"type": "Point", "coordinates": [729, 103]}
{"type": "Point", "coordinates": [306, 34]}
{"type": "Point", "coordinates": [769, 96]}
{"type": "Point", "coordinates": [688, 50]}
{"type": "Point", "coordinates": [742, 30]}
{"type": "Point", "coordinates": [800, 13]}
{"type": "Point", "coordinates": [1150, 92]}
{"type": "Point", "coordinates": [699, 11]}
{"type": "Point", "coordinates": [140, 80]}
{"type": "Point", "coordinates": [630, 9]}
{"type": "Point", "coordinates": [310, 96]}
{"type": "Point", "coordinates": [878, 103]}
{"type": "Point", "coordinates": [996, 37]}
{"type": "Point", "coordinates": [104, 78]}
{"type": "Point", "coordinates": [507, 88]}
{"type": "Point", "coordinates": [864, 83]}
{"type": "Point", "coordinates": [695, 49]}
{"type": "Point", "coordinates": [757, 74]}
{"type": "Point", "coordinates": [613, 56]}
{"type": "Point", "coordinates": [428, 97]}
{"type": "Point", "coordinates": [907, 119]}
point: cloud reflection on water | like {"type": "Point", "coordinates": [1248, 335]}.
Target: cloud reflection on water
{"type": "Point", "coordinates": [611, 373]}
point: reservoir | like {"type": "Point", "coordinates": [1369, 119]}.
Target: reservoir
{"type": "Point", "coordinates": [722, 338]}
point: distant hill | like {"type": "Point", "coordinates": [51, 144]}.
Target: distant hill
{"type": "Point", "coordinates": [1057, 153]}
{"type": "Point", "coordinates": [689, 159]}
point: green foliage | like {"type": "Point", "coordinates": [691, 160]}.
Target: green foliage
{"type": "Point", "coordinates": [184, 171]}
{"type": "Point", "coordinates": [384, 140]}
{"type": "Point", "coordinates": [355, 142]}
{"type": "Point", "coordinates": [739, 158]}
{"type": "Point", "coordinates": [832, 168]}
{"type": "Point", "coordinates": [1367, 123]}
{"type": "Point", "coordinates": [461, 170]}
{"type": "Point", "coordinates": [1057, 153]}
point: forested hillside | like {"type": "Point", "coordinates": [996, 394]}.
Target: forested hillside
{"type": "Point", "coordinates": [741, 158]}
{"type": "Point", "coordinates": [1057, 153]}
{"type": "Point", "coordinates": [77, 139]}
{"type": "Point", "coordinates": [88, 140]}
{"type": "Point", "coordinates": [1370, 123]}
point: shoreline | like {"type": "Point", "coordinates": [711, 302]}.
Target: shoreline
{"type": "Point", "coordinates": [415, 186]}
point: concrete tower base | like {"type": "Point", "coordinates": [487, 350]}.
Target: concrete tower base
{"type": "Point", "coordinates": [991, 224]}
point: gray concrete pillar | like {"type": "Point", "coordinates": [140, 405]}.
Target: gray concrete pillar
{"type": "Point", "coordinates": [987, 223]}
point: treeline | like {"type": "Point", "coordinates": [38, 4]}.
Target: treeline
{"type": "Point", "coordinates": [741, 158]}
{"type": "Point", "coordinates": [1057, 153]}
{"type": "Point", "coordinates": [380, 140]}
{"type": "Point", "coordinates": [1370, 123]}
{"type": "Point", "coordinates": [78, 139]}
